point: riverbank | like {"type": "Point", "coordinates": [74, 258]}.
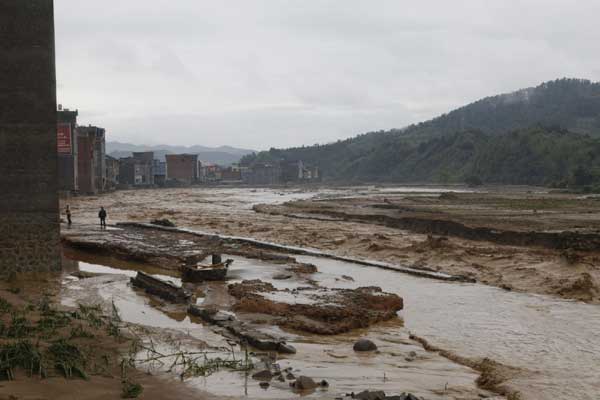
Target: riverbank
{"type": "Point", "coordinates": [52, 351]}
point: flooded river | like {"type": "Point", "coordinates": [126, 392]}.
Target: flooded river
{"type": "Point", "coordinates": [555, 342]}
{"type": "Point", "coordinates": [320, 357]}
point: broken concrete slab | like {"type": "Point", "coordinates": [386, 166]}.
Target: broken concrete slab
{"type": "Point", "coordinates": [164, 289]}
{"type": "Point", "coordinates": [252, 337]}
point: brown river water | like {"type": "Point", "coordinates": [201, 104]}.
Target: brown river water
{"type": "Point", "coordinates": [555, 342]}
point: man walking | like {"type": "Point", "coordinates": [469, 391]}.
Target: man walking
{"type": "Point", "coordinates": [102, 216]}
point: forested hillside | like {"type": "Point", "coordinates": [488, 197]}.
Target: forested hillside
{"type": "Point", "coordinates": [543, 135]}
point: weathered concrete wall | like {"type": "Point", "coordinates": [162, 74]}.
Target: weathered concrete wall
{"type": "Point", "coordinates": [29, 228]}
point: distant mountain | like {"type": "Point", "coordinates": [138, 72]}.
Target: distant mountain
{"type": "Point", "coordinates": [223, 155]}
{"type": "Point", "coordinates": [537, 131]}
{"type": "Point", "coordinates": [573, 104]}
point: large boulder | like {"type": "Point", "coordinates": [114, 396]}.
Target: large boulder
{"type": "Point", "coordinates": [403, 396]}
{"type": "Point", "coordinates": [304, 383]}
{"type": "Point", "coordinates": [286, 348]}
{"type": "Point", "coordinates": [264, 376]}
{"type": "Point", "coordinates": [364, 345]}
{"type": "Point", "coordinates": [370, 395]}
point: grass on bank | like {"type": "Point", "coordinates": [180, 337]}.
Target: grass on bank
{"type": "Point", "coordinates": [43, 342]}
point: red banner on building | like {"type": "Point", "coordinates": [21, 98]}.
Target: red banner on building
{"type": "Point", "coordinates": [64, 139]}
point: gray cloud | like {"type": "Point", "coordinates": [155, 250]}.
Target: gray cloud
{"type": "Point", "coordinates": [262, 73]}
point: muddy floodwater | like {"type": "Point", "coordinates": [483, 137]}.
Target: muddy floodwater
{"type": "Point", "coordinates": [554, 343]}
{"type": "Point", "coordinates": [320, 357]}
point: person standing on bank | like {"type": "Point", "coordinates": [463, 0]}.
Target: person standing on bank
{"type": "Point", "coordinates": [102, 216]}
{"type": "Point", "coordinates": [68, 213]}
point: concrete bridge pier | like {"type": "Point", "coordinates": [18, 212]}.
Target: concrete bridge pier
{"type": "Point", "coordinates": [29, 219]}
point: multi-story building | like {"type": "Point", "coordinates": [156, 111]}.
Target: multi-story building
{"type": "Point", "coordinates": [182, 168]}
{"type": "Point", "coordinates": [137, 170]}
{"type": "Point", "coordinates": [160, 172]}
{"type": "Point", "coordinates": [98, 137]}
{"type": "Point", "coordinates": [144, 171]}
{"type": "Point", "coordinates": [112, 173]}
{"type": "Point", "coordinates": [86, 161]}
{"type": "Point", "coordinates": [126, 172]}
{"type": "Point", "coordinates": [66, 136]}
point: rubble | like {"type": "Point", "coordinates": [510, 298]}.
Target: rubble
{"type": "Point", "coordinates": [304, 383]}
{"type": "Point", "coordinates": [252, 337]}
{"type": "Point", "coordinates": [264, 375]}
{"type": "Point", "coordinates": [164, 289]}
{"type": "Point", "coordinates": [317, 310]}
{"type": "Point", "coordinates": [163, 222]}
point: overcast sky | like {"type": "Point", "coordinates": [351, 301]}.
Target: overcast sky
{"type": "Point", "coordinates": [258, 74]}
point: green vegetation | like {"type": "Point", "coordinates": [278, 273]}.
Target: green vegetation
{"type": "Point", "coordinates": [23, 355]}
{"type": "Point", "coordinates": [548, 135]}
{"type": "Point", "coordinates": [131, 390]}
{"type": "Point", "coordinates": [68, 359]}
{"type": "Point", "coordinates": [41, 340]}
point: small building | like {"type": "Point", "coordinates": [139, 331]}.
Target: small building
{"type": "Point", "coordinates": [182, 168]}
{"type": "Point", "coordinates": [112, 173]}
{"type": "Point", "coordinates": [292, 171]}
{"type": "Point", "coordinates": [232, 173]}
{"type": "Point", "coordinates": [210, 173]}
{"type": "Point", "coordinates": [160, 172]}
{"type": "Point", "coordinates": [66, 138]}
{"type": "Point", "coordinates": [312, 173]}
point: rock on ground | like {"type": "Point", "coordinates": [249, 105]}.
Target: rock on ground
{"type": "Point", "coordinates": [364, 345]}
{"type": "Point", "coordinates": [304, 383]}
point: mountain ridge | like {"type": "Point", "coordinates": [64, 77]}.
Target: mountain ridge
{"type": "Point", "coordinates": [563, 112]}
{"type": "Point", "coordinates": [217, 155]}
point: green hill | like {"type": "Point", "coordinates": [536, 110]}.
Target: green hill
{"type": "Point", "coordinates": [542, 135]}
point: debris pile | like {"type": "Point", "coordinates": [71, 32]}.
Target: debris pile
{"type": "Point", "coordinates": [316, 309]}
